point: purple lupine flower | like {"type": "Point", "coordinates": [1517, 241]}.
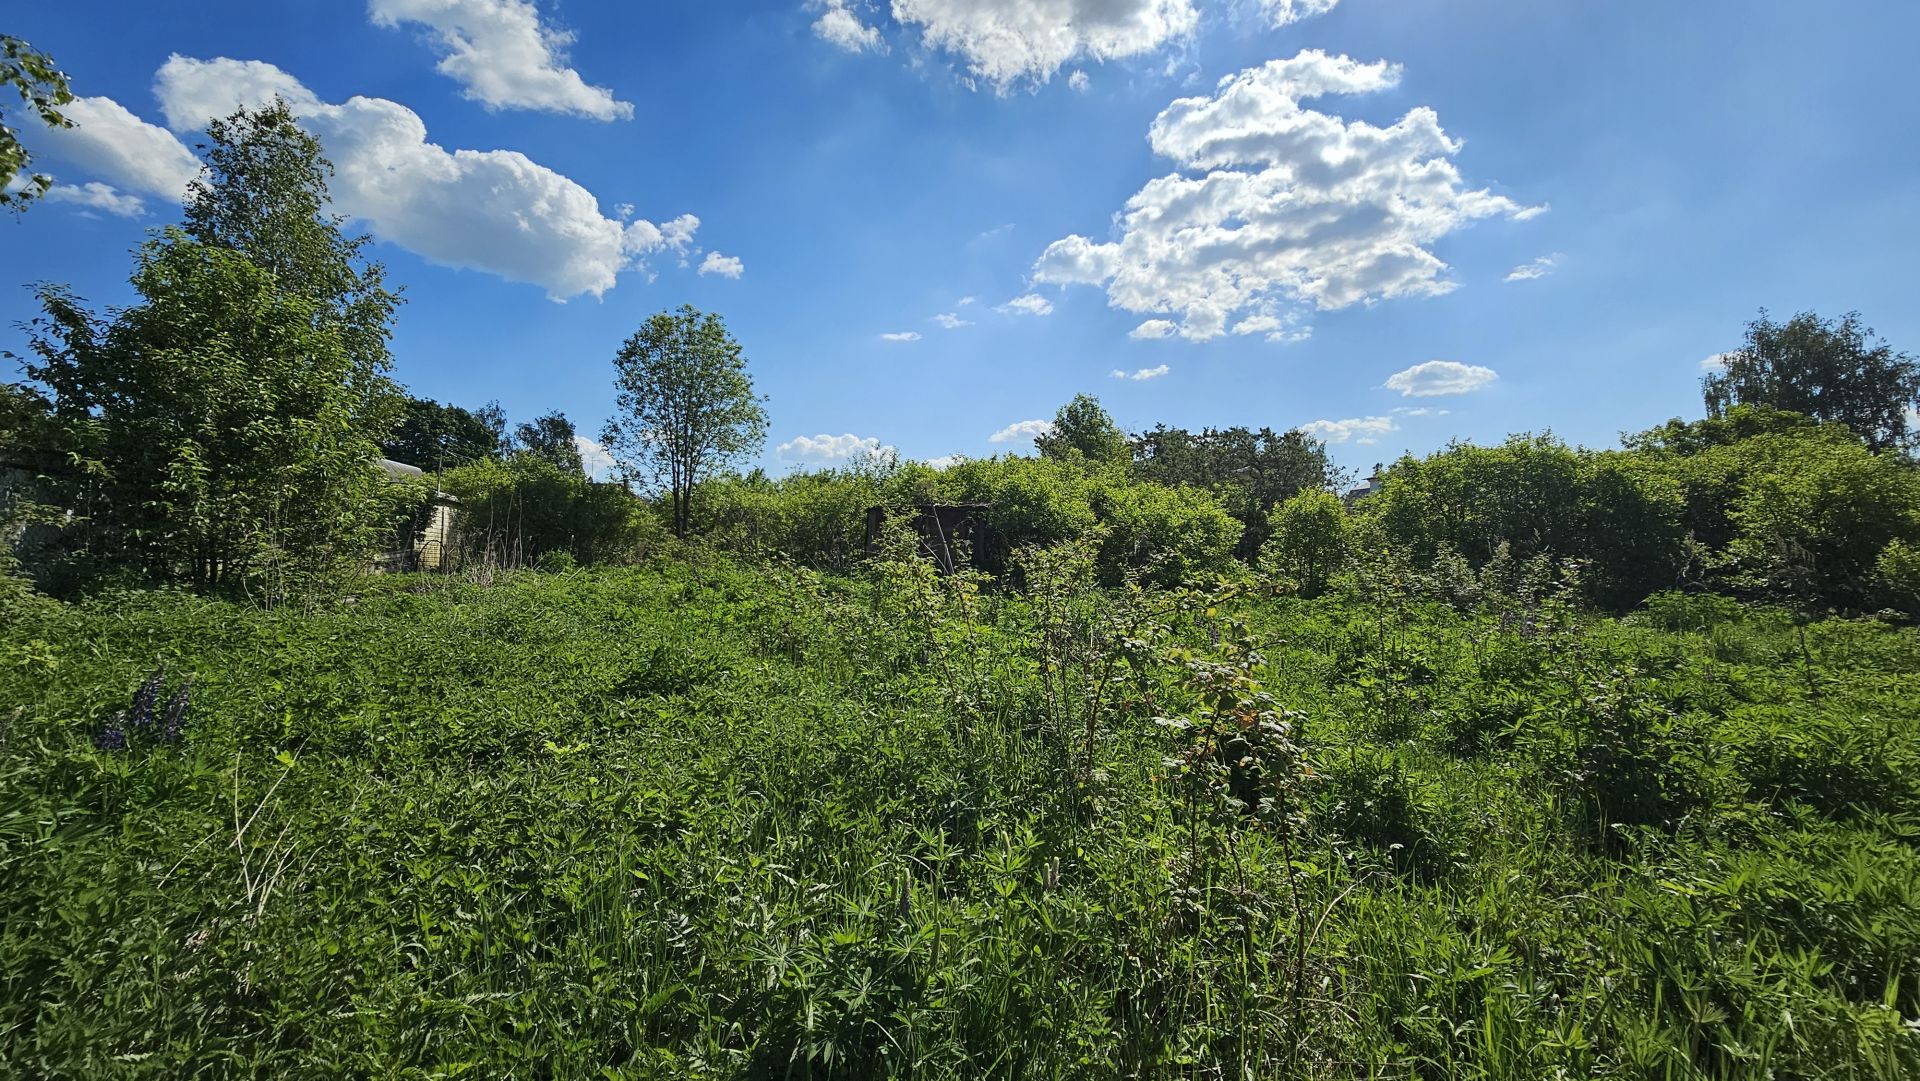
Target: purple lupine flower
{"type": "Point", "coordinates": [111, 738]}
{"type": "Point", "coordinates": [140, 716]}
{"type": "Point", "coordinates": [175, 724]}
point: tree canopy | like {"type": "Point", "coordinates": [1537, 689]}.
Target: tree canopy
{"type": "Point", "coordinates": [1083, 428]}
{"type": "Point", "coordinates": [436, 436]}
{"type": "Point", "coordinates": [686, 405]}
{"type": "Point", "coordinates": [1826, 369]}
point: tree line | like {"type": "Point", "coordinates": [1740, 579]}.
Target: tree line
{"type": "Point", "coordinates": [222, 432]}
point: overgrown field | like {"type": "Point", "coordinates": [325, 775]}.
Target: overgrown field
{"type": "Point", "coordinates": [701, 820]}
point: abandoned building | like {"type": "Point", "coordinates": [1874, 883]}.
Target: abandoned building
{"type": "Point", "coordinates": [947, 531]}
{"type": "Point", "coordinates": [428, 542]}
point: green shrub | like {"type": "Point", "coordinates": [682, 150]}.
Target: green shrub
{"type": "Point", "coordinates": [1168, 535]}
{"type": "Point", "coordinates": [1310, 539]}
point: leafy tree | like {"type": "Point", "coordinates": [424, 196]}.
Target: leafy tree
{"type": "Point", "coordinates": [1310, 537]}
{"type": "Point", "coordinates": [1736, 424]}
{"type": "Point", "coordinates": [1824, 369]}
{"type": "Point", "coordinates": [264, 194]}
{"type": "Point", "coordinates": [1249, 472]}
{"type": "Point", "coordinates": [215, 430]}
{"type": "Point", "coordinates": [436, 436]}
{"type": "Point", "coordinates": [686, 405]}
{"type": "Point", "coordinates": [43, 89]}
{"type": "Point", "coordinates": [551, 437]}
{"type": "Point", "coordinates": [1082, 429]}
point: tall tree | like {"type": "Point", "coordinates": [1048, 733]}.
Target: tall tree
{"type": "Point", "coordinates": [213, 430]}
{"type": "Point", "coordinates": [1083, 429]}
{"type": "Point", "coordinates": [43, 90]}
{"type": "Point", "coordinates": [686, 405]}
{"type": "Point", "coordinates": [264, 194]}
{"type": "Point", "coordinates": [551, 437]}
{"type": "Point", "coordinates": [1824, 369]}
{"type": "Point", "coordinates": [436, 436]}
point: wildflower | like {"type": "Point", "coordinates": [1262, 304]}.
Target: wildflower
{"type": "Point", "coordinates": [176, 722]}
{"type": "Point", "coordinates": [141, 715]}
{"type": "Point", "coordinates": [111, 738]}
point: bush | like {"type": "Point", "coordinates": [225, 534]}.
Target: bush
{"type": "Point", "coordinates": [1170, 535]}
{"type": "Point", "coordinates": [519, 511]}
{"type": "Point", "coordinates": [1311, 539]}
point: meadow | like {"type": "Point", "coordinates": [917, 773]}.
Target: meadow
{"type": "Point", "coordinates": [712, 818]}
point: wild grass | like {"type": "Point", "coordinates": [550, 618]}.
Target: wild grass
{"type": "Point", "coordinates": [702, 819]}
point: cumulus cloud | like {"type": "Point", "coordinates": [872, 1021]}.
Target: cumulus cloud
{"type": "Point", "coordinates": [108, 141]}
{"type": "Point", "coordinates": [503, 56]}
{"type": "Point", "coordinates": [1023, 429]}
{"type": "Point", "coordinates": [1142, 375]}
{"type": "Point", "coordinates": [1365, 431]}
{"type": "Point", "coordinates": [952, 321]}
{"type": "Point", "coordinates": [97, 196]}
{"type": "Point", "coordinates": [1289, 208]}
{"type": "Point", "coordinates": [724, 265]}
{"type": "Point", "coordinates": [492, 210]}
{"type": "Point", "coordinates": [1007, 42]}
{"type": "Point", "coordinates": [829, 448]}
{"type": "Point", "coordinates": [1716, 362]}
{"type": "Point", "coordinates": [1030, 304]}
{"type": "Point", "coordinates": [1440, 377]}
{"type": "Point", "coordinates": [1282, 12]}
{"type": "Point", "coordinates": [946, 461]}
{"type": "Point", "coordinates": [1078, 82]}
{"type": "Point", "coordinates": [838, 24]}
{"type": "Point", "coordinates": [595, 458]}
{"type": "Point", "coordinates": [1539, 268]}
{"type": "Point", "coordinates": [1423, 411]}
{"type": "Point", "coordinates": [901, 336]}
{"type": "Point", "coordinates": [1152, 329]}
{"type": "Point", "coordinates": [1285, 329]}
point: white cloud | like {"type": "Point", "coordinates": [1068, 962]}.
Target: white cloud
{"type": "Point", "coordinates": [492, 210]}
{"type": "Point", "coordinates": [1291, 207]}
{"type": "Point", "coordinates": [1286, 329]}
{"type": "Point", "coordinates": [1004, 42]}
{"type": "Point", "coordinates": [1152, 329]}
{"type": "Point", "coordinates": [1423, 411]}
{"type": "Point", "coordinates": [108, 141]}
{"type": "Point", "coordinates": [1363, 430]}
{"type": "Point", "coordinates": [1142, 375]}
{"type": "Point", "coordinates": [1024, 429]}
{"type": "Point", "coordinates": [1282, 12]}
{"type": "Point", "coordinates": [829, 448]}
{"type": "Point", "coordinates": [724, 265]}
{"type": "Point", "coordinates": [595, 457]}
{"type": "Point", "coordinates": [1440, 377]}
{"type": "Point", "coordinates": [951, 321]}
{"type": "Point", "coordinates": [1030, 304]}
{"type": "Point", "coordinates": [97, 196]}
{"type": "Point", "coordinates": [1715, 363]}
{"type": "Point", "coordinates": [901, 336]}
{"type": "Point", "coordinates": [502, 55]}
{"type": "Point", "coordinates": [839, 25]}
{"type": "Point", "coordinates": [1539, 268]}
{"type": "Point", "coordinates": [1079, 82]}
{"type": "Point", "coordinates": [946, 461]}
{"type": "Point", "coordinates": [964, 301]}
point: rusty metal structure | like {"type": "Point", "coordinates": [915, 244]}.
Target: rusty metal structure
{"type": "Point", "coordinates": [947, 531]}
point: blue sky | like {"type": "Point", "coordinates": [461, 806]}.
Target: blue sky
{"type": "Point", "coordinates": [1276, 212]}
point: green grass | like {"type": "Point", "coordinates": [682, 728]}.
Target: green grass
{"type": "Point", "coordinates": [706, 820]}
